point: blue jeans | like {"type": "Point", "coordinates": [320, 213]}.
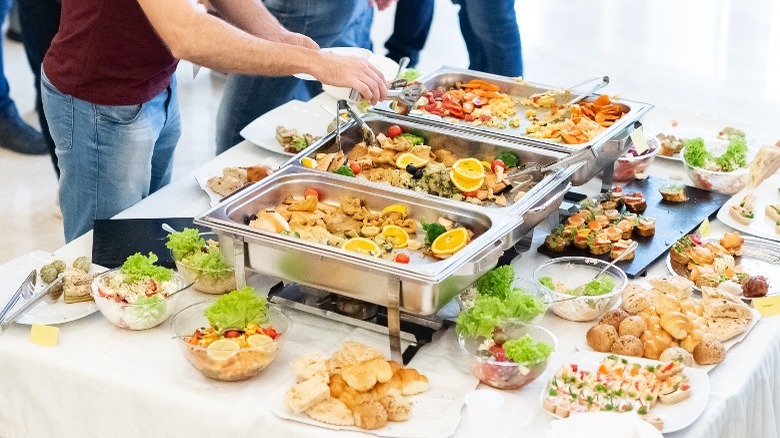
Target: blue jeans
{"type": "Point", "coordinates": [110, 156]}
{"type": "Point", "coordinates": [5, 92]}
{"type": "Point", "coordinates": [330, 23]}
{"type": "Point", "coordinates": [489, 28]}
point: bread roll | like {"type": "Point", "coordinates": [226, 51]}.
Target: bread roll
{"type": "Point", "coordinates": [709, 351]}
{"type": "Point", "coordinates": [677, 353]}
{"type": "Point", "coordinates": [633, 325]}
{"type": "Point", "coordinates": [397, 407]}
{"type": "Point", "coordinates": [359, 377]}
{"type": "Point", "coordinates": [306, 394]}
{"type": "Point", "coordinates": [635, 298]}
{"type": "Point", "coordinates": [613, 318]}
{"type": "Point", "coordinates": [370, 415]}
{"type": "Point", "coordinates": [628, 346]}
{"type": "Point", "coordinates": [600, 337]}
{"type": "Point", "coordinates": [655, 340]}
{"type": "Point", "coordinates": [665, 303]}
{"type": "Point", "coordinates": [332, 411]}
{"type": "Point", "coordinates": [676, 324]}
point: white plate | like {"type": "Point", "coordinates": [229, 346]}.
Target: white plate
{"type": "Point", "coordinates": [759, 257]}
{"type": "Point", "coordinates": [344, 51]}
{"type": "Point", "coordinates": [691, 124]}
{"type": "Point", "coordinates": [435, 413]}
{"type": "Point", "coordinates": [762, 226]}
{"type": "Point", "coordinates": [237, 157]}
{"type": "Point", "coordinates": [387, 66]}
{"type": "Point", "coordinates": [13, 273]}
{"type": "Point", "coordinates": [307, 118]}
{"type": "Point", "coordinates": [676, 417]}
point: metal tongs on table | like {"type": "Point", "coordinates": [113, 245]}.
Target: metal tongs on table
{"type": "Point", "coordinates": [53, 289]}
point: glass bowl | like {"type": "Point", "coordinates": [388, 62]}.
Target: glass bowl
{"type": "Point", "coordinates": [241, 364]}
{"type": "Point", "coordinates": [629, 167]}
{"type": "Point", "coordinates": [136, 316]}
{"type": "Point", "coordinates": [573, 272]}
{"type": "Point", "coordinates": [466, 298]}
{"type": "Point", "coordinates": [727, 183]}
{"type": "Point", "coordinates": [507, 375]}
{"type": "Point", "coordinates": [213, 282]}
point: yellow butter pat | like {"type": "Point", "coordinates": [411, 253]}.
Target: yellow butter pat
{"type": "Point", "coordinates": [767, 306]}
{"type": "Point", "coordinates": [44, 335]}
{"type": "Point", "coordinates": [639, 140]}
{"type": "Point", "coordinates": [704, 228]}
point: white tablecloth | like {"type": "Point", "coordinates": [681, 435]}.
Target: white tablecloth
{"type": "Point", "coordinates": [104, 381]}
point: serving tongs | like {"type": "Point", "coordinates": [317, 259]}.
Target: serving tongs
{"type": "Point", "coordinates": [405, 94]}
{"type": "Point", "coordinates": [25, 291]}
{"type": "Point", "coordinates": [525, 174]}
{"type": "Point", "coordinates": [601, 82]}
{"type": "Point", "coordinates": [368, 133]}
{"type": "Point", "coordinates": [53, 289]}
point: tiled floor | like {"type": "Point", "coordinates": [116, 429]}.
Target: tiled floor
{"type": "Point", "coordinates": [717, 56]}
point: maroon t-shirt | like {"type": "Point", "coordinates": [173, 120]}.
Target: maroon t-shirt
{"type": "Point", "coordinates": [108, 53]}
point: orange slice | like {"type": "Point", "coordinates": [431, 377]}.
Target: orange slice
{"type": "Point", "coordinates": [450, 242]}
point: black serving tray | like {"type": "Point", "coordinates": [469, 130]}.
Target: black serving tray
{"type": "Point", "coordinates": [673, 220]}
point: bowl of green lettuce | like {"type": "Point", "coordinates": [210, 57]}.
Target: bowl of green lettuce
{"type": "Point", "coordinates": [719, 166]}
{"type": "Point", "coordinates": [200, 261]}
{"type": "Point", "coordinates": [576, 294]}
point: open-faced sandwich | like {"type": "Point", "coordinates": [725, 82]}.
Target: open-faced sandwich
{"type": "Point", "coordinates": [773, 212]}
{"type": "Point", "coordinates": [621, 246]}
{"type": "Point", "coordinates": [673, 193]}
{"type": "Point", "coordinates": [743, 213]}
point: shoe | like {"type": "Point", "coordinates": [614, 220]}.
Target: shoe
{"type": "Point", "coordinates": [17, 136]}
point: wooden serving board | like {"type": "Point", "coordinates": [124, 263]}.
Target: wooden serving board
{"type": "Point", "coordinates": [673, 220]}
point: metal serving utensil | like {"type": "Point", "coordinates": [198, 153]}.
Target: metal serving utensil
{"type": "Point", "coordinates": [29, 304]}
{"type": "Point", "coordinates": [25, 290]}
{"type": "Point", "coordinates": [406, 95]}
{"type": "Point", "coordinates": [603, 82]}
{"type": "Point", "coordinates": [519, 175]}
{"type": "Point", "coordinates": [368, 133]}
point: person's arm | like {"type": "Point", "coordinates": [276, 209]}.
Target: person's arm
{"type": "Point", "coordinates": [254, 18]}
{"type": "Point", "coordinates": [202, 39]}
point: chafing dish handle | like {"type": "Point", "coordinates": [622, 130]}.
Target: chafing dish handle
{"type": "Point", "coordinates": [394, 289]}
{"type": "Point", "coordinates": [556, 199]}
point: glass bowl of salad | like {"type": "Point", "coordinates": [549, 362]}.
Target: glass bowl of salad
{"type": "Point", "coordinates": [514, 356]}
{"type": "Point", "coordinates": [232, 338]}
{"type": "Point", "coordinates": [139, 295]}
{"type": "Point", "coordinates": [199, 260]}
{"type": "Point", "coordinates": [634, 165]}
{"type": "Point", "coordinates": [718, 165]}
{"type": "Point", "coordinates": [529, 307]}
{"type": "Point", "coordinates": [576, 294]}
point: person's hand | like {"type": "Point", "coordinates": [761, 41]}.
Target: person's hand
{"type": "Point", "coordinates": [351, 72]}
{"type": "Point", "coordinates": [298, 39]}
{"type": "Point", "coordinates": [381, 4]}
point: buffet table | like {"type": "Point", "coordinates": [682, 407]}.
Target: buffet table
{"type": "Point", "coordinates": [104, 381]}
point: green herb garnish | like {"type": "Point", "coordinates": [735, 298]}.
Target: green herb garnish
{"type": "Point", "coordinates": [414, 140]}
{"type": "Point", "coordinates": [140, 268]}
{"type": "Point", "coordinates": [344, 170]}
{"type": "Point", "coordinates": [432, 231]}
{"type": "Point", "coordinates": [509, 158]}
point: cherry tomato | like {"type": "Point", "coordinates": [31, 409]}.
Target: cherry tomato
{"type": "Point", "coordinates": [402, 257]}
{"type": "Point", "coordinates": [356, 167]}
{"type": "Point", "coordinates": [232, 334]}
{"type": "Point", "coordinates": [470, 194]}
{"type": "Point", "coordinates": [311, 192]}
{"type": "Point", "coordinates": [497, 163]}
{"type": "Point", "coordinates": [271, 332]}
{"type": "Point", "coordinates": [498, 353]}
{"type": "Point", "coordinates": [394, 131]}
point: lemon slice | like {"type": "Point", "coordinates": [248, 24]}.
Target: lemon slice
{"type": "Point", "coordinates": [396, 235]}
{"type": "Point", "coordinates": [486, 165]}
{"type": "Point", "coordinates": [469, 169]}
{"type": "Point", "coordinates": [311, 163]}
{"type": "Point", "coordinates": [222, 349]}
{"type": "Point", "coordinates": [407, 158]}
{"type": "Point", "coordinates": [398, 208]}
{"type": "Point", "coordinates": [362, 245]}
{"type": "Point", "coordinates": [262, 343]}
{"type": "Point", "coordinates": [450, 242]}
{"type": "Point", "coordinates": [466, 184]}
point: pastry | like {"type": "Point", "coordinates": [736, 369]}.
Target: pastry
{"type": "Point", "coordinates": [673, 193]}
{"type": "Point", "coordinates": [306, 394]}
{"type": "Point", "coordinates": [614, 317]}
{"type": "Point", "coordinates": [681, 288]}
{"type": "Point", "coordinates": [412, 382]}
{"type": "Point", "coordinates": [635, 298]}
{"type": "Point", "coordinates": [655, 340]}
{"type": "Point", "coordinates": [600, 337]}
{"type": "Point", "coordinates": [765, 164]}
{"type": "Point", "coordinates": [359, 377]}
{"type": "Point", "coordinates": [332, 411]}
{"type": "Point", "coordinates": [664, 303]}
{"type": "Point", "coordinates": [628, 345]}
{"type": "Point", "coordinates": [309, 366]}
{"type": "Point", "coordinates": [370, 415]}
{"type": "Point", "coordinates": [633, 325]}
{"type": "Point", "coordinates": [397, 407]}
{"type": "Point", "coordinates": [724, 329]}
{"type": "Point", "coordinates": [677, 353]}
{"type": "Point", "coordinates": [709, 351]}
{"type": "Point", "coordinates": [76, 286]}
{"type": "Point", "coordinates": [676, 324]}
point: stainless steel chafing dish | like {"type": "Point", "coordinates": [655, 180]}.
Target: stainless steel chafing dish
{"type": "Point", "coordinates": [421, 288]}
{"type": "Point", "coordinates": [538, 203]}
{"type": "Point", "coordinates": [600, 151]}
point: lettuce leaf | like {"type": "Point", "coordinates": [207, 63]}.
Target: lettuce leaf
{"type": "Point", "coordinates": [149, 308]}
{"type": "Point", "coordinates": [735, 156]}
{"type": "Point", "coordinates": [139, 268]}
{"type": "Point", "coordinates": [497, 282]}
{"type": "Point", "coordinates": [237, 309]}
{"type": "Point", "coordinates": [527, 351]}
{"type": "Point", "coordinates": [488, 311]}
{"type": "Point", "coordinates": [696, 153]}
{"type": "Point", "coordinates": [182, 243]}
{"type": "Point", "coordinates": [210, 263]}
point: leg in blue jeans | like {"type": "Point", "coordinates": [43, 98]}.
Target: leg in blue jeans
{"type": "Point", "coordinates": [248, 97]}
{"type": "Point", "coordinates": [110, 157]}
{"type": "Point", "coordinates": [410, 30]}
{"type": "Point", "coordinates": [492, 36]}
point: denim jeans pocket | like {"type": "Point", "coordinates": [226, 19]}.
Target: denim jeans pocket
{"type": "Point", "coordinates": [58, 108]}
{"type": "Point", "coordinates": [119, 114]}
